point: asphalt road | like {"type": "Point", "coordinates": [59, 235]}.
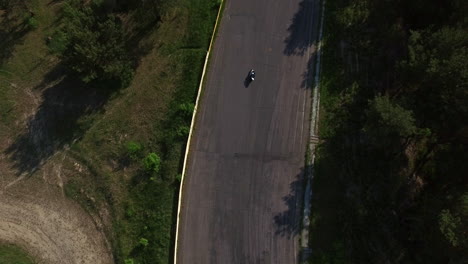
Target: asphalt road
{"type": "Point", "coordinates": [244, 181]}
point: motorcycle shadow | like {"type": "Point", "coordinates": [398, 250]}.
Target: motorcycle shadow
{"type": "Point", "coordinates": [247, 82]}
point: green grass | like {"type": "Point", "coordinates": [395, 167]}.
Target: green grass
{"type": "Point", "coordinates": [10, 254]}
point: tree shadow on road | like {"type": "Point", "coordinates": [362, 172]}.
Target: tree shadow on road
{"type": "Point", "coordinates": [247, 80]}
{"type": "Point", "coordinates": [288, 223]}
{"type": "Point", "coordinates": [301, 38]}
{"type": "Point", "coordinates": [308, 75]}
{"type": "Point", "coordinates": [59, 120]}
{"type": "Point", "coordinates": [300, 31]}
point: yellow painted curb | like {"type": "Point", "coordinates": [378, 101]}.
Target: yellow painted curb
{"type": "Point", "coordinates": [187, 149]}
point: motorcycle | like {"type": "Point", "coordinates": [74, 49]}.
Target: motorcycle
{"type": "Point", "coordinates": [252, 75]}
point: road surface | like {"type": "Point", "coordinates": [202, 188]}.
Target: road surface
{"type": "Point", "coordinates": [244, 181]}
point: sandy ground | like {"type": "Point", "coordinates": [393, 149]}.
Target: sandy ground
{"type": "Point", "coordinates": [50, 227]}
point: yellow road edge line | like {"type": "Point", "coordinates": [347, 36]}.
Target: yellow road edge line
{"type": "Point", "coordinates": [187, 148]}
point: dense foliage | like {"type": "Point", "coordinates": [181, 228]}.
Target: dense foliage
{"type": "Point", "coordinates": [92, 44]}
{"type": "Point", "coordinates": [394, 96]}
{"type": "Point", "coordinates": [92, 40]}
{"type": "Point", "coordinates": [4, 4]}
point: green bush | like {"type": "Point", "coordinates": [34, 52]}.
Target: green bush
{"type": "Point", "coordinates": [32, 23]}
{"type": "Point", "coordinates": [183, 131]}
{"type": "Point", "coordinates": [130, 211]}
{"type": "Point", "coordinates": [133, 150]}
{"type": "Point", "coordinates": [129, 261]}
{"type": "Point", "coordinates": [179, 177]}
{"type": "Point", "coordinates": [152, 163]}
{"type": "Point", "coordinates": [143, 242]}
{"type": "Point", "coordinates": [186, 109]}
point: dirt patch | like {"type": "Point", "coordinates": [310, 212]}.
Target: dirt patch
{"type": "Point", "coordinates": [50, 227]}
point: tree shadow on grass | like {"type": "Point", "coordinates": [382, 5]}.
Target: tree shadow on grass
{"type": "Point", "coordinates": [58, 121]}
{"type": "Point", "coordinates": [300, 31]}
{"type": "Point", "coordinates": [288, 223]}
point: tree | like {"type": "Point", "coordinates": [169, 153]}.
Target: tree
{"type": "Point", "coordinates": [388, 121]}
{"type": "Point", "coordinates": [450, 227]}
{"type": "Point", "coordinates": [95, 46]}
{"type": "Point", "coordinates": [436, 77]}
{"type": "Point", "coordinates": [398, 185]}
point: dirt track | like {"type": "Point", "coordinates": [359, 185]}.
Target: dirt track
{"type": "Point", "coordinates": [55, 230]}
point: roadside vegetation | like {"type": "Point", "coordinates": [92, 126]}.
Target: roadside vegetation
{"type": "Point", "coordinates": [116, 82]}
{"type": "Point", "coordinates": [390, 184]}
